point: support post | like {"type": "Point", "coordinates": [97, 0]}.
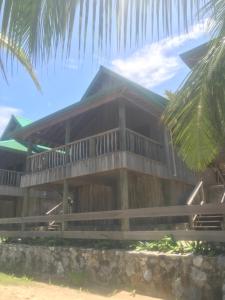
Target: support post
{"type": "Point", "coordinates": [65, 181]}
{"type": "Point", "coordinates": [25, 203]}
{"type": "Point", "coordinates": [65, 201]}
{"type": "Point", "coordinates": [124, 197]}
{"type": "Point", "coordinates": [122, 126]}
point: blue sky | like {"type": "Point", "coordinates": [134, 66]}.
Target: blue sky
{"type": "Point", "coordinates": [156, 66]}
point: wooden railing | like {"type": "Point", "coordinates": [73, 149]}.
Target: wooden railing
{"type": "Point", "coordinates": [10, 178]}
{"type": "Point", "coordinates": [142, 145]}
{"type": "Point", "coordinates": [95, 146]}
{"type": "Point", "coordinates": [153, 212]}
{"type": "Point", "coordinates": [79, 150]}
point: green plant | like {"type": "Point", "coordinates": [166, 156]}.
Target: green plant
{"type": "Point", "coordinates": [3, 240]}
{"type": "Point", "coordinates": [169, 245]}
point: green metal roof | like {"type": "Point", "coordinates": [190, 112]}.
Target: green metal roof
{"type": "Point", "coordinates": [22, 121]}
{"type": "Point", "coordinates": [13, 145]}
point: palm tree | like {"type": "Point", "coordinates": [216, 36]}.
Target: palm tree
{"type": "Point", "coordinates": [196, 113]}
{"type": "Point", "coordinates": [20, 55]}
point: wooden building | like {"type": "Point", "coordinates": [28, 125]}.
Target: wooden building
{"type": "Point", "coordinates": [108, 151]}
{"type": "Point", "coordinates": [13, 155]}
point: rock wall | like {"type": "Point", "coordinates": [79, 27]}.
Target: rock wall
{"type": "Point", "coordinates": [171, 276]}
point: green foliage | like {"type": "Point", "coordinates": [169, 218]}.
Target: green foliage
{"type": "Point", "coordinates": [169, 245]}
{"type": "Point", "coordinates": [3, 240]}
{"type": "Point", "coordinates": [18, 53]}
{"type": "Point", "coordinates": [45, 26]}
{"type": "Point", "coordinates": [9, 279]}
{"type": "Point", "coordinates": [196, 112]}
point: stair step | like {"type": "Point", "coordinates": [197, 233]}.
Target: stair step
{"type": "Point", "coordinates": [210, 216]}
{"type": "Point", "coordinates": [206, 226]}
{"type": "Point", "coordinates": [207, 221]}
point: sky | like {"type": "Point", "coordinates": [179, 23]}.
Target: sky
{"type": "Point", "coordinates": [155, 65]}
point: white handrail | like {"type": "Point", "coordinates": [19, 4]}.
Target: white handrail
{"type": "Point", "coordinates": [53, 209]}
{"type": "Point", "coordinates": [194, 193]}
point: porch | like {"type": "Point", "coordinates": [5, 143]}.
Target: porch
{"type": "Point", "coordinates": [104, 152]}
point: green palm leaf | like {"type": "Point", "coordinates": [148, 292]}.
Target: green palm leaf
{"type": "Point", "coordinates": [44, 27]}
{"type": "Point", "coordinates": [21, 56]}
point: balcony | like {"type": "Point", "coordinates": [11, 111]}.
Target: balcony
{"type": "Point", "coordinates": [10, 183]}
{"type": "Point", "coordinates": [93, 147]}
{"type": "Point", "coordinates": [102, 152]}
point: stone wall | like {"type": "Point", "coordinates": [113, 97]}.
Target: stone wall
{"type": "Point", "coordinates": [171, 276]}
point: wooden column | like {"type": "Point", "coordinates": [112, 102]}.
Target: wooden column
{"type": "Point", "coordinates": [25, 201]}
{"type": "Point", "coordinates": [65, 181]}
{"type": "Point", "coordinates": [65, 201]}
{"type": "Point", "coordinates": [123, 190]}
{"type": "Point", "coordinates": [122, 126]}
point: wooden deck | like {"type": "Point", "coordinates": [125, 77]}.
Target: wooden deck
{"type": "Point", "coordinates": [154, 212]}
{"type": "Point", "coordinates": [101, 153]}
{"type": "Point", "coordinates": [10, 183]}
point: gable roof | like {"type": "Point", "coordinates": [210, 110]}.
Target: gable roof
{"type": "Point", "coordinates": [14, 123]}
{"type": "Point", "coordinates": [106, 79]}
{"type": "Point", "coordinates": [192, 57]}
{"type": "Point", "coordinates": [12, 145]}
{"type": "Point", "coordinates": [22, 121]}
{"type": "Point", "coordinates": [7, 143]}
{"type": "Point", "coordinates": [105, 87]}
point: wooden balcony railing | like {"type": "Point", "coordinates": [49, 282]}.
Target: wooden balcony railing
{"type": "Point", "coordinates": [94, 146]}
{"type": "Point", "coordinates": [10, 178]}
{"type": "Point", "coordinates": [142, 145]}
{"type": "Point", "coordinates": [82, 149]}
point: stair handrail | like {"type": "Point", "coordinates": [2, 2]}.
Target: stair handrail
{"type": "Point", "coordinates": [53, 209]}
{"type": "Point", "coordinates": [190, 201]}
{"type": "Point", "coordinates": [195, 192]}
{"type": "Point", "coordinates": [223, 198]}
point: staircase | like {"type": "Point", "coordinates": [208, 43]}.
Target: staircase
{"type": "Point", "coordinates": [207, 222]}
{"type": "Point", "coordinates": [53, 226]}
{"type": "Point", "coordinates": [216, 194]}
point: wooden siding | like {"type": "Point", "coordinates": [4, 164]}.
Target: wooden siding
{"type": "Point", "coordinates": [104, 163]}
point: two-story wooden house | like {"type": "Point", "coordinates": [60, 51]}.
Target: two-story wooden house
{"type": "Point", "coordinates": [108, 151]}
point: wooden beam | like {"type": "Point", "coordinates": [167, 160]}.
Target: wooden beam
{"type": "Point", "coordinates": [153, 212]}
{"type": "Point", "coordinates": [124, 196]}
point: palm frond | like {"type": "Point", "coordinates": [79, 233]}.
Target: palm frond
{"type": "Point", "coordinates": [44, 27]}
{"type": "Point", "coordinates": [196, 113]}
{"type": "Point", "coordinates": [21, 56]}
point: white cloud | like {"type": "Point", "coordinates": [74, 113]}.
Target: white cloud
{"type": "Point", "coordinates": [157, 62]}
{"type": "Point", "coordinates": [5, 114]}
